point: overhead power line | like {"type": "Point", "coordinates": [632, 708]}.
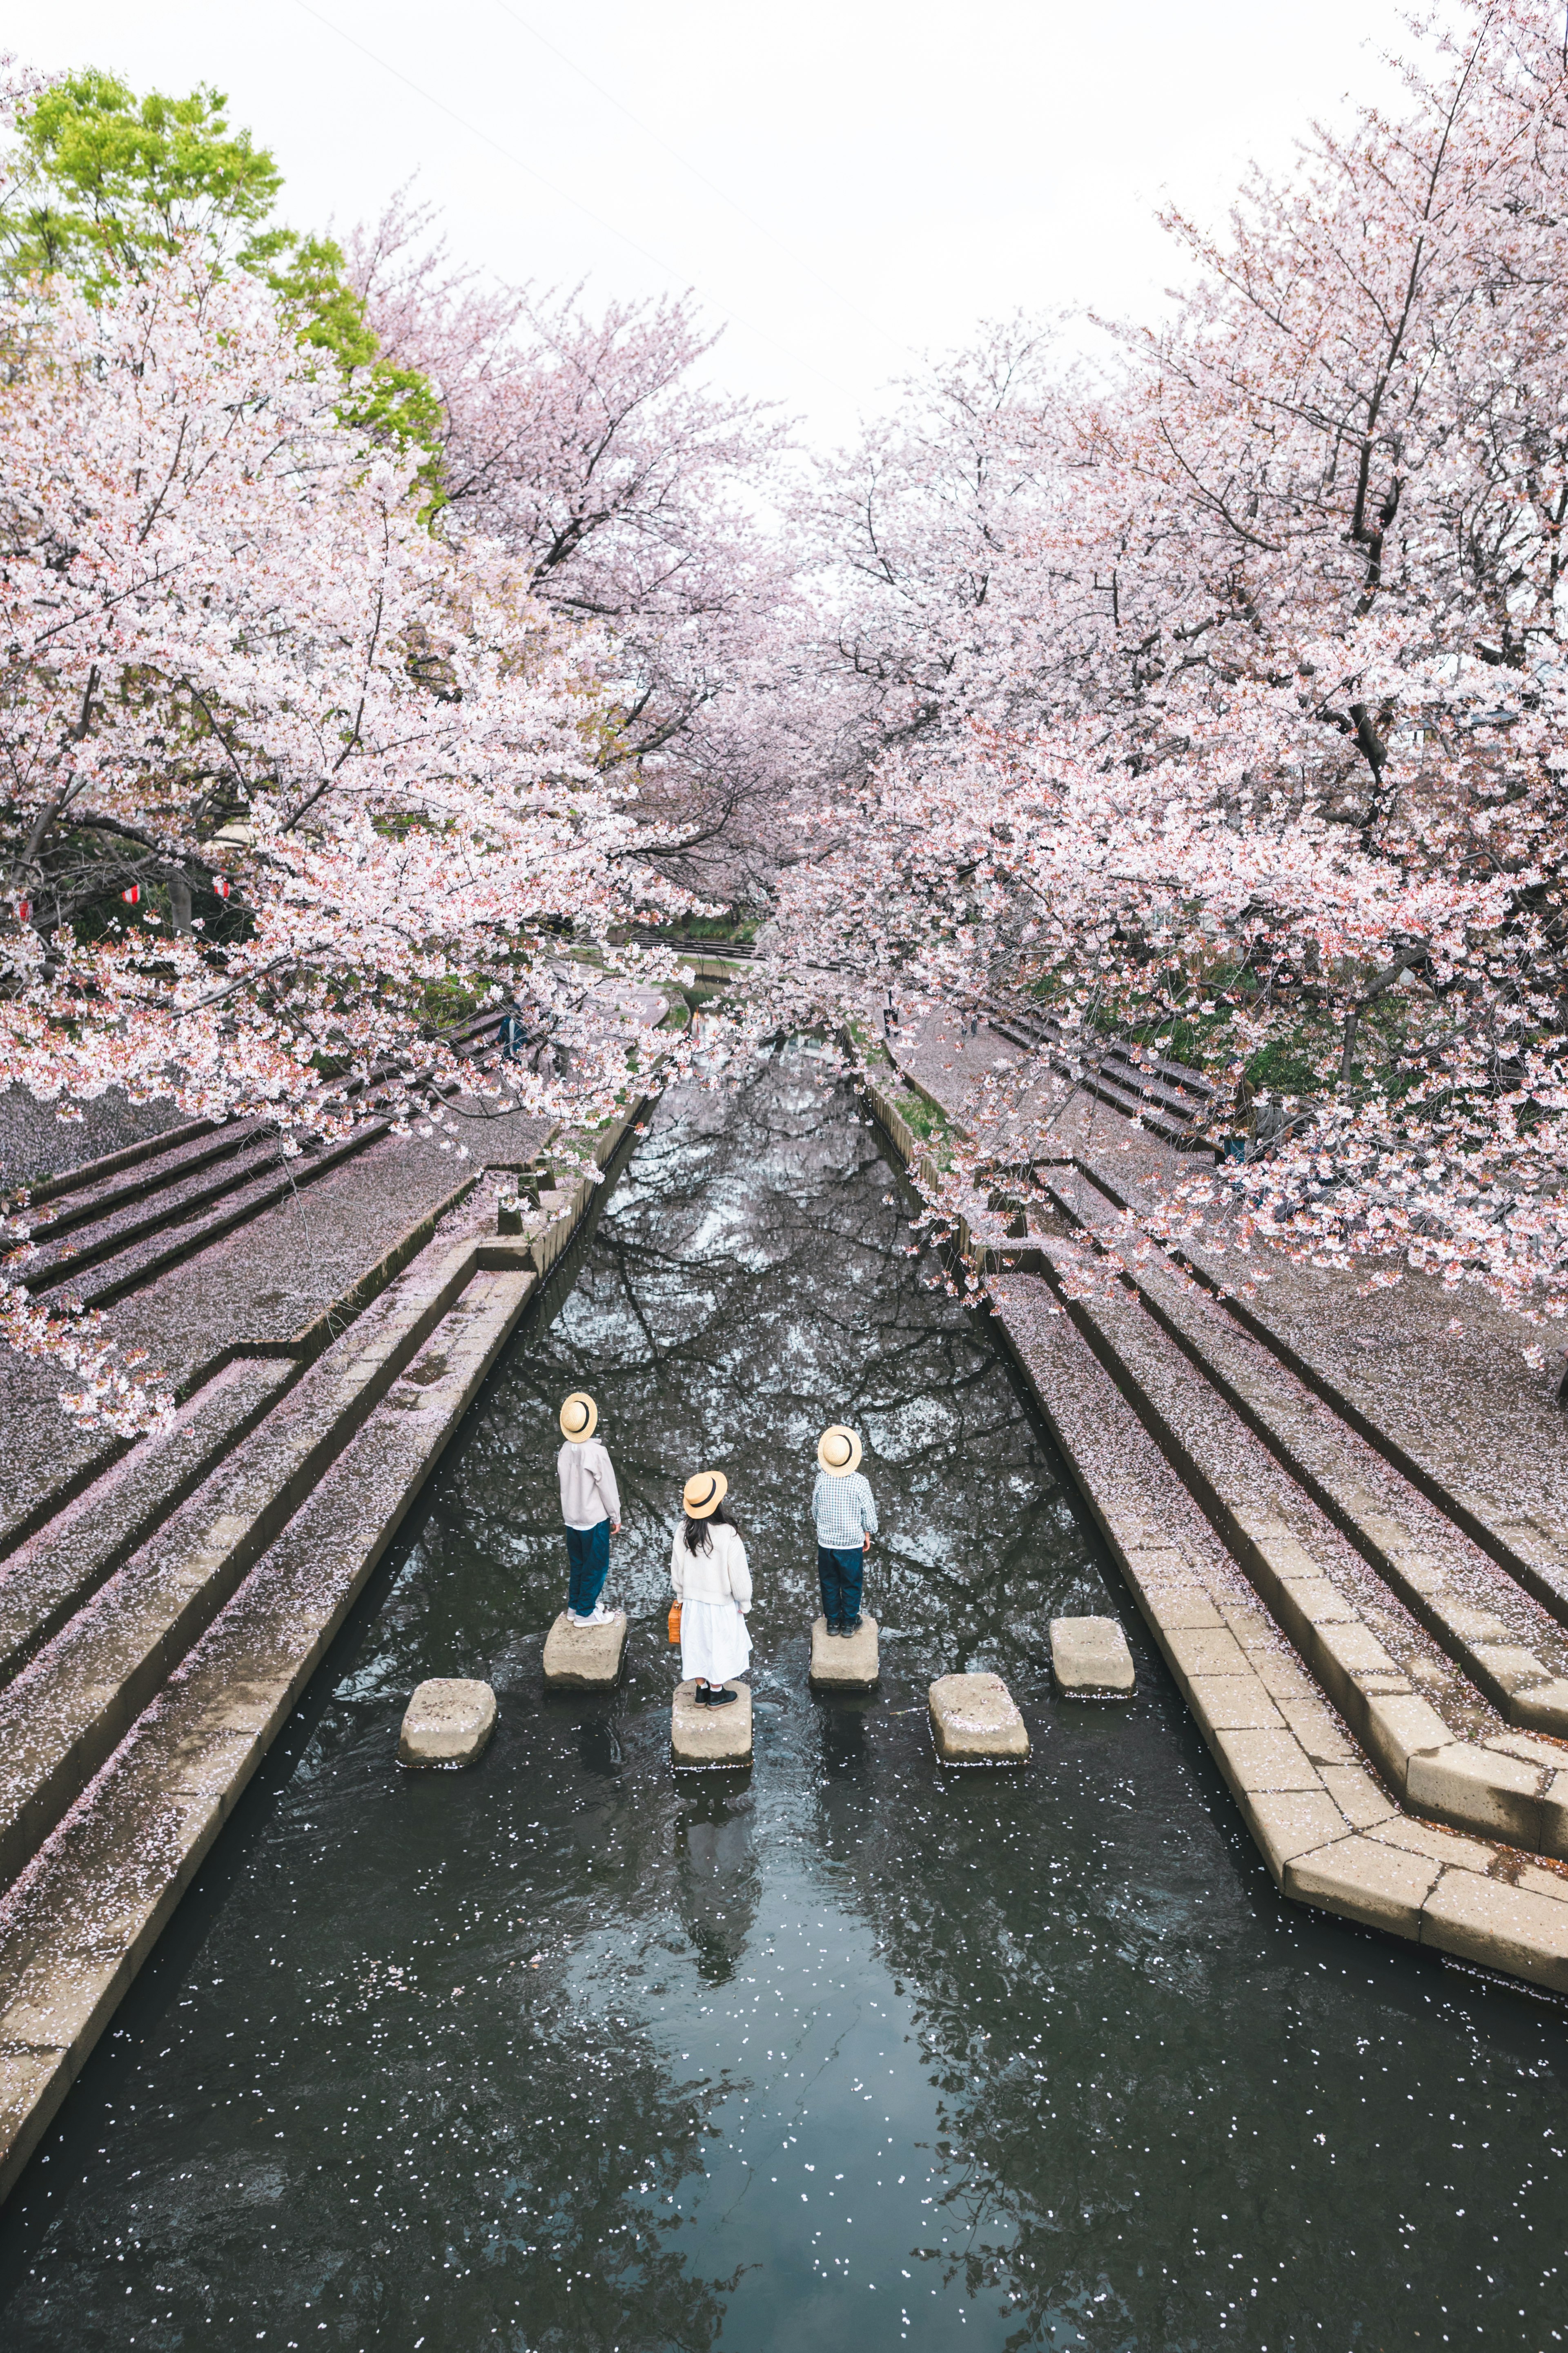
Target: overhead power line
{"type": "Point", "coordinates": [853, 303]}
{"type": "Point", "coordinates": [611, 229]}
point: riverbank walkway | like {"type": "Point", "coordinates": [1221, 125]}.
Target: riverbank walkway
{"type": "Point", "coordinates": [324, 1322]}
{"type": "Point", "coordinates": [1344, 1516]}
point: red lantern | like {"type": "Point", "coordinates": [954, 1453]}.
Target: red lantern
{"type": "Point", "coordinates": [24, 909]}
{"type": "Point", "coordinates": [132, 897]}
{"type": "Point", "coordinates": [222, 885]}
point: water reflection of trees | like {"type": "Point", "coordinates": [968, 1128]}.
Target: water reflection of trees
{"type": "Point", "coordinates": [549, 2218]}
{"type": "Point", "coordinates": [1129, 2078]}
{"type": "Point", "coordinates": [1037, 2097]}
{"type": "Point", "coordinates": [749, 1284]}
{"type": "Point", "coordinates": [516, 2135]}
{"type": "Point", "coordinates": [481, 2164]}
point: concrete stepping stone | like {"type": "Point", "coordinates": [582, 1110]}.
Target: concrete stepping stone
{"type": "Point", "coordinates": [449, 1721]}
{"type": "Point", "coordinates": [711, 1735]}
{"type": "Point", "coordinates": [974, 1722]}
{"type": "Point", "coordinates": [1090, 1660]}
{"type": "Point", "coordinates": [845, 1661]}
{"type": "Point", "coordinates": [585, 1658]}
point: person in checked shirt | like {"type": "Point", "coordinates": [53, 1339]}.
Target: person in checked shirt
{"type": "Point", "coordinates": [591, 1507]}
{"type": "Point", "coordinates": [844, 1511]}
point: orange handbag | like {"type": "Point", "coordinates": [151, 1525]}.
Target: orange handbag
{"type": "Point", "coordinates": [675, 1622]}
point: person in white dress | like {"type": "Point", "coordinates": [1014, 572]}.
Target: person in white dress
{"type": "Point", "coordinates": [713, 1586]}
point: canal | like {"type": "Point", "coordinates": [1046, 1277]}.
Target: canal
{"type": "Point", "coordinates": [847, 2053]}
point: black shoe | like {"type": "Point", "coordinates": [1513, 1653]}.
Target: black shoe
{"type": "Point", "coordinates": [835, 1628]}
{"type": "Point", "coordinates": [716, 1697]}
{"type": "Point", "coordinates": [851, 1626]}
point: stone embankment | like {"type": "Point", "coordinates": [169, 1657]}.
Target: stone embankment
{"type": "Point", "coordinates": [1367, 1614]}
{"type": "Point", "coordinates": [162, 1608]}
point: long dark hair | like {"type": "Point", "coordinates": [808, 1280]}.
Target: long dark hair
{"type": "Point", "coordinates": [697, 1536]}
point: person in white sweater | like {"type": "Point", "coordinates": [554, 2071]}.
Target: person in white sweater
{"type": "Point", "coordinates": [713, 1586]}
{"type": "Point", "coordinates": [591, 1507]}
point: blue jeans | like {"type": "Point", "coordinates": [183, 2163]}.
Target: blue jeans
{"type": "Point", "coordinates": [588, 1550]}
{"type": "Point", "coordinates": [839, 1574]}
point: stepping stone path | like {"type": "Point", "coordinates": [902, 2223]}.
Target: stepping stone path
{"type": "Point", "coordinates": [974, 1722]}
{"type": "Point", "coordinates": [449, 1721]}
{"type": "Point", "coordinates": [585, 1658]}
{"type": "Point", "coordinates": [711, 1735]}
{"type": "Point", "coordinates": [1090, 1660]}
{"type": "Point", "coordinates": [844, 1662]}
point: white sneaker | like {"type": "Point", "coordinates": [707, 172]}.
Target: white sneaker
{"type": "Point", "coordinates": [600, 1616]}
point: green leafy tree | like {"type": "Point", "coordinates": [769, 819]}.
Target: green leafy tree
{"type": "Point", "coordinates": [395, 404]}
{"type": "Point", "coordinates": [105, 184]}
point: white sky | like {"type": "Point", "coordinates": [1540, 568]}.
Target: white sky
{"type": "Point", "coordinates": [847, 183]}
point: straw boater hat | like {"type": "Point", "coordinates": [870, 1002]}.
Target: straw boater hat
{"type": "Point", "coordinates": [579, 1417]}
{"type": "Point", "coordinates": [839, 1451]}
{"type": "Point", "coordinates": [703, 1493]}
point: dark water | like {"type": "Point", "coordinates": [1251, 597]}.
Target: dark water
{"type": "Point", "coordinates": [560, 2053]}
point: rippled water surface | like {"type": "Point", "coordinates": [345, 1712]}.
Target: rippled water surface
{"type": "Point", "coordinates": [564, 2054]}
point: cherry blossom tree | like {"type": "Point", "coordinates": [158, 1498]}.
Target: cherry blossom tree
{"type": "Point", "coordinates": [1253, 741]}
{"type": "Point", "coordinates": [917, 538]}
{"type": "Point", "coordinates": [1216, 702]}
{"type": "Point", "coordinates": [97, 183]}
{"type": "Point", "coordinates": [636, 499]}
{"type": "Point", "coordinates": [239, 674]}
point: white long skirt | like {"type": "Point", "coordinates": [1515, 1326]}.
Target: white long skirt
{"type": "Point", "coordinates": [714, 1644]}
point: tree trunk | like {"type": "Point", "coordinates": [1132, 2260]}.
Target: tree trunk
{"type": "Point", "coordinates": [1347, 1056]}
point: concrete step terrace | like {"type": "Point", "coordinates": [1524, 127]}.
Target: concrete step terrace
{"type": "Point", "coordinates": [161, 1626]}
{"type": "Point", "coordinates": [45, 1579]}
{"type": "Point", "coordinates": [1165, 1096]}
{"type": "Point", "coordinates": [87, 1910]}
{"type": "Point", "coordinates": [1376, 1775]}
{"type": "Point", "coordinates": [1528, 1539]}
{"type": "Point", "coordinates": [1322, 1811]}
{"type": "Point", "coordinates": [1433, 1735]}
{"type": "Point", "coordinates": [1514, 1651]}
{"type": "Point", "coordinates": [136, 1244]}
{"type": "Point", "coordinates": [74, 1701]}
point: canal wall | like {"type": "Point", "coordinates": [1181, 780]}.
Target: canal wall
{"type": "Point", "coordinates": [161, 1626]}
{"type": "Point", "coordinates": [159, 1623]}
{"type": "Point", "coordinates": [1385, 1774]}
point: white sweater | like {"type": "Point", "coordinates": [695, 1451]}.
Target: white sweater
{"type": "Point", "coordinates": [588, 1492]}
{"type": "Point", "coordinates": [717, 1575]}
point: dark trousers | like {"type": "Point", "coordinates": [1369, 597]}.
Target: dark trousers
{"type": "Point", "coordinates": [588, 1550]}
{"type": "Point", "coordinates": [839, 1574]}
